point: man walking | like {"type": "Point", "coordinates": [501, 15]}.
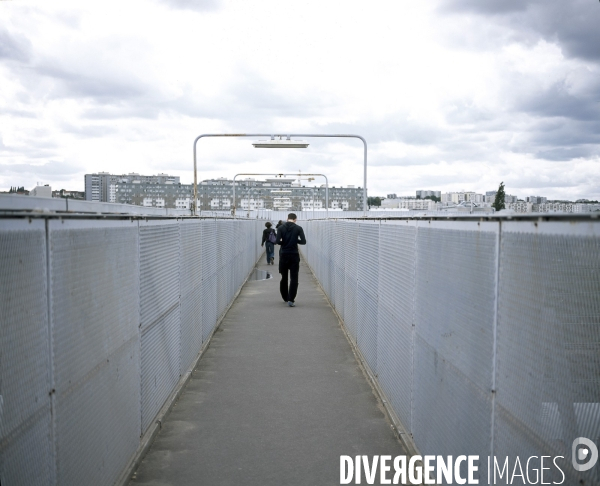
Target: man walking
{"type": "Point", "coordinates": [289, 236]}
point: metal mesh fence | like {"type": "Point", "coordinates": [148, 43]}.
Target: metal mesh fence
{"type": "Point", "coordinates": [338, 249]}
{"type": "Point", "coordinates": [397, 265]}
{"type": "Point", "coordinates": [25, 417]}
{"type": "Point", "coordinates": [366, 291]}
{"type": "Point", "coordinates": [485, 336]}
{"type": "Point", "coordinates": [454, 320]}
{"type": "Point", "coordinates": [99, 320]}
{"type": "Point", "coordinates": [350, 235]}
{"type": "Point", "coordinates": [209, 277]}
{"type": "Point", "coordinates": [159, 314]}
{"type": "Point", "coordinates": [223, 251]}
{"type": "Point", "coordinates": [548, 341]}
{"type": "Point", "coordinates": [94, 276]}
{"type": "Point", "coordinates": [190, 284]}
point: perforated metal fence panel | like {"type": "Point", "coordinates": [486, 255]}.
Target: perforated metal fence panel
{"type": "Point", "coordinates": [350, 277]}
{"type": "Point", "coordinates": [397, 264]}
{"type": "Point", "coordinates": [98, 426]}
{"type": "Point", "coordinates": [222, 244]}
{"type": "Point", "coordinates": [160, 314]}
{"type": "Point", "coordinates": [209, 277]}
{"type": "Point", "coordinates": [483, 335]}
{"type": "Point", "coordinates": [312, 251]}
{"type": "Point", "coordinates": [328, 232]}
{"type": "Point", "coordinates": [159, 269]}
{"type": "Point", "coordinates": [454, 321]}
{"type": "Point", "coordinates": [191, 292]}
{"type": "Point", "coordinates": [25, 377]}
{"type": "Point", "coordinates": [95, 336]}
{"type": "Point", "coordinates": [548, 343]}
{"type": "Point", "coordinates": [95, 320]}
{"type": "Point", "coordinates": [367, 272]}
{"type": "Point", "coordinates": [338, 252]}
{"type": "Point", "coordinates": [33, 440]}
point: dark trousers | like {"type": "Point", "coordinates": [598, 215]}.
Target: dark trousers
{"type": "Point", "coordinates": [289, 262]}
{"type": "Point", "coordinates": [270, 250]}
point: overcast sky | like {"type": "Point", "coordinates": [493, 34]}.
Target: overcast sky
{"type": "Point", "coordinates": [449, 94]}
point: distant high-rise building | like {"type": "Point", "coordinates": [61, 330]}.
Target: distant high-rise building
{"type": "Point", "coordinates": [490, 197]}
{"type": "Point", "coordinates": [101, 186]}
{"type": "Point", "coordinates": [424, 194]}
{"type": "Point", "coordinates": [585, 208]}
{"type": "Point", "coordinates": [460, 197]}
{"type": "Point", "coordinates": [409, 203]}
{"type": "Point", "coordinates": [537, 199]}
{"type": "Point", "coordinates": [41, 191]}
{"type": "Point", "coordinates": [154, 194]}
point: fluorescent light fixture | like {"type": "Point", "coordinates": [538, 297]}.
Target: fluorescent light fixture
{"type": "Point", "coordinates": [287, 143]}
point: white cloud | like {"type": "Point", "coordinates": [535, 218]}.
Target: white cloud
{"type": "Point", "coordinates": [448, 95]}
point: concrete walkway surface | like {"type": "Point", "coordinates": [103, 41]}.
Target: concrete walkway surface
{"type": "Point", "coordinates": [276, 399]}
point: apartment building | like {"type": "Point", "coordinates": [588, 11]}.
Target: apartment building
{"type": "Point", "coordinates": [409, 203]}
{"type": "Point", "coordinates": [553, 207]}
{"type": "Point", "coordinates": [154, 194]}
{"type": "Point", "coordinates": [250, 194]}
{"type": "Point", "coordinates": [101, 186]}
{"type": "Point", "coordinates": [423, 194]}
{"type": "Point", "coordinates": [537, 199]}
{"type": "Point", "coordinates": [460, 197]}
{"type": "Point", "coordinates": [520, 206]}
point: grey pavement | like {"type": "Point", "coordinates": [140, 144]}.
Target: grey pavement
{"type": "Point", "coordinates": [275, 400]}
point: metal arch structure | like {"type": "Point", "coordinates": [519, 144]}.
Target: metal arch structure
{"type": "Point", "coordinates": [286, 175]}
{"type": "Point", "coordinates": [273, 135]}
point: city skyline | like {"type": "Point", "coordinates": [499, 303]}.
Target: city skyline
{"type": "Point", "coordinates": [162, 175]}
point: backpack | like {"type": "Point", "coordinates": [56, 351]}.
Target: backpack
{"type": "Point", "coordinates": [272, 236]}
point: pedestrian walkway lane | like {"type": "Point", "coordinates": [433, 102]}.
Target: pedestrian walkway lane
{"type": "Point", "coordinates": [275, 400]}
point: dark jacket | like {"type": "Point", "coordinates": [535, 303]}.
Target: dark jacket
{"type": "Point", "coordinates": [289, 236]}
{"type": "Point", "coordinates": [265, 237]}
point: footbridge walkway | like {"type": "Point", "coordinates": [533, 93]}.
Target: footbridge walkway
{"type": "Point", "coordinates": [138, 349]}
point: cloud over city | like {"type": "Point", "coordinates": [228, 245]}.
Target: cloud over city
{"type": "Point", "coordinates": [450, 94]}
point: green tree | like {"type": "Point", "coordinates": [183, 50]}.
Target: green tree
{"type": "Point", "coordinates": [499, 200]}
{"type": "Point", "coordinates": [374, 201]}
{"type": "Point", "coordinates": [433, 198]}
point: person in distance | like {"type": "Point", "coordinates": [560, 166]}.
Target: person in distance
{"type": "Point", "coordinates": [289, 236]}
